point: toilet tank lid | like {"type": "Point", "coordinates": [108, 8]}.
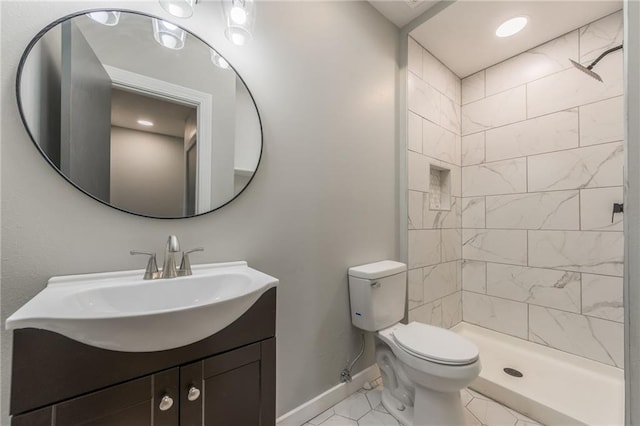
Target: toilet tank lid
{"type": "Point", "coordinates": [373, 271]}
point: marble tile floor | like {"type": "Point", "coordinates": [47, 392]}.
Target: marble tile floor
{"type": "Point", "coordinates": [363, 408]}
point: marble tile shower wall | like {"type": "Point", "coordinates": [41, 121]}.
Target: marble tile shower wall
{"type": "Point", "coordinates": [542, 158]}
{"type": "Point", "coordinates": [435, 246]}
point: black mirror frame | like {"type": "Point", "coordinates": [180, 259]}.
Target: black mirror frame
{"type": "Point", "coordinates": [23, 60]}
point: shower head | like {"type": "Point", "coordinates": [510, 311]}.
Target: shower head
{"type": "Point", "coordinates": [588, 70]}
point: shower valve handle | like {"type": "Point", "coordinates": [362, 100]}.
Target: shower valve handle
{"type": "Point", "coordinates": [617, 208]}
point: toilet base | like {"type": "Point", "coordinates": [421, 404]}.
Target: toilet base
{"type": "Point", "coordinates": [438, 408]}
{"type": "Point", "coordinates": [431, 408]}
{"type": "Point", "coordinates": [402, 413]}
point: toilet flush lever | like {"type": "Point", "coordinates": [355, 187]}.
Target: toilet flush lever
{"type": "Point", "coordinates": [375, 284]}
{"type": "Point", "coordinates": [617, 208]}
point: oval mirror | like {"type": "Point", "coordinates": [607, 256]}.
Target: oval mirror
{"type": "Point", "coordinates": [139, 114]}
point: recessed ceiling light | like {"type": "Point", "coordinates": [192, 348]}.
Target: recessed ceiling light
{"type": "Point", "coordinates": [145, 122]}
{"type": "Point", "coordinates": [512, 26]}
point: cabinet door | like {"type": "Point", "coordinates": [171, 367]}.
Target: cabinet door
{"type": "Point", "coordinates": [134, 403]}
{"type": "Point", "coordinates": [236, 388]}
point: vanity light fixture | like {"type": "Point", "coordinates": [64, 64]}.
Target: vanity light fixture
{"type": "Point", "coordinates": [147, 123]}
{"type": "Point", "coordinates": [218, 60]}
{"type": "Point", "coordinates": [512, 26]}
{"type": "Point", "coordinates": [109, 18]}
{"type": "Point", "coordinates": [179, 8]}
{"type": "Point", "coordinates": [240, 16]}
{"type": "Point", "coordinates": [168, 35]}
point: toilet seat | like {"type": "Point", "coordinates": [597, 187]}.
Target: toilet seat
{"type": "Point", "coordinates": [435, 344]}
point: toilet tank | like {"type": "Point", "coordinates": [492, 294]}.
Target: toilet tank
{"type": "Point", "coordinates": [377, 292]}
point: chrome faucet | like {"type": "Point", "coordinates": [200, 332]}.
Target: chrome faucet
{"type": "Point", "coordinates": [169, 269]}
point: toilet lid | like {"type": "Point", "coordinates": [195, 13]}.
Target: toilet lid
{"type": "Point", "coordinates": [435, 344]}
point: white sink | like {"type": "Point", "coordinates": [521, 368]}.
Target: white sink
{"type": "Point", "coordinates": [121, 311]}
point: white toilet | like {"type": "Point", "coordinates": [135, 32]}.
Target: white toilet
{"type": "Point", "coordinates": [423, 367]}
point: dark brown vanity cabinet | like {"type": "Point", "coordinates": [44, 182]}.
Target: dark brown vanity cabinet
{"type": "Point", "coordinates": [234, 389]}
{"type": "Point", "coordinates": [226, 379]}
{"type": "Point", "coordinates": [135, 403]}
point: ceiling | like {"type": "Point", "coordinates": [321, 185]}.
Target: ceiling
{"type": "Point", "coordinates": [462, 36]}
{"type": "Point", "coordinates": [401, 12]}
{"type": "Point", "coordinates": [168, 118]}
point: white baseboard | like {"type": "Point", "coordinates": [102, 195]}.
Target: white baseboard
{"type": "Point", "coordinates": [327, 399]}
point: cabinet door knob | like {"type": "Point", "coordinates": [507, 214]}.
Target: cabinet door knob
{"type": "Point", "coordinates": [166, 402]}
{"type": "Point", "coordinates": [194, 393]}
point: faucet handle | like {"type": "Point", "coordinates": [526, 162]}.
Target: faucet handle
{"type": "Point", "coordinates": [185, 265]}
{"type": "Point", "coordinates": [151, 271]}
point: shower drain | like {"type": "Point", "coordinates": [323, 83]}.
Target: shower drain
{"type": "Point", "coordinates": [512, 372]}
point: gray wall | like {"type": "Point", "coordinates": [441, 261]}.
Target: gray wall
{"type": "Point", "coordinates": [324, 197]}
{"type": "Point", "coordinates": [247, 133]}
{"type": "Point", "coordinates": [147, 172]}
{"type": "Point", "coordinates": [40, 88]}
{"type": "Point", "coordinates": [85, 124]}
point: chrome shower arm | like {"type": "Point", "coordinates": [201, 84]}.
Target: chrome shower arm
{"type": "Point", "coordinates": [602, 55]}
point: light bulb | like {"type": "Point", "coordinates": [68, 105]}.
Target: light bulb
{"type": "Point", "coordinates": [179, 8]}
{"type": "Point", "coordinates": [218, 60]}
{"type": "Point", "coordinates": [238, 15]}
{"type": "Point", "coordinates": [238, 39]}
{"type": "Point", "coordinates": [168, 35]}
{"type": "Point", "coordinates": [169, 25]}
{"type": "Point", "coordinates": [109, 18]}
{"type": "Point", "coordinates": [100, 17]}
{"type": "Point", "coordinates": [237, 36]}
{"type": "Point", "coordinates": [223, 64]}
{"type": "Point", "coordinates": [169, 41]}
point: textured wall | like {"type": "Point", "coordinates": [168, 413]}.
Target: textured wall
{"type": "Point", "coordinates": [433, 144]}
{"type": "Point", "coordinates": [542, 161]}
{"type": "Point", "coordinates": [324, 197]}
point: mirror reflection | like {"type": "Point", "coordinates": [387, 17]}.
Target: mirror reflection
{"type": "Point", "coordinates": [139, 114]}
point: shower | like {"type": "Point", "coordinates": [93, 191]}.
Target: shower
{"type": "Point", "coordinates": [588, 69]}
{"type": "Point", "coordinates": [540, 261]}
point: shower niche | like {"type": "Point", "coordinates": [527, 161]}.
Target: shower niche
{"type": "Point", "coordinates": [439, 188]}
